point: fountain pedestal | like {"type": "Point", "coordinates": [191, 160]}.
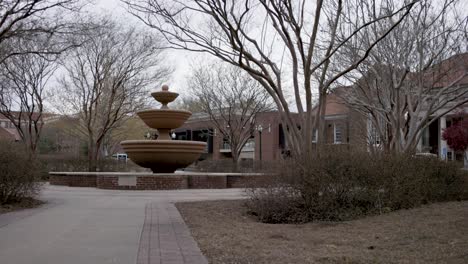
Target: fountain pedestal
{"type": "Point", "coordinates": [164, 155]}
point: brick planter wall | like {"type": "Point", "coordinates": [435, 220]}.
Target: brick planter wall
{"type": "Point", "coordinates": [149, 181]}
{"type": "Point", "coordinates": [73, 180]}
{"type": "Point", "coordinates": [143, 182]}
{"type": "Point", "coordinates": [248, 181]}
{"type": "Point", "coordinates": [207, 181]}
{"type": "Point", "coordinates": [173, 182]}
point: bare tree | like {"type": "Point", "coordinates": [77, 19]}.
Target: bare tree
{"type": "Point", "coordinates": [232, 99]}
{"type": "Point", "coordinates": [28, 20]}
{"type": "Point", "coordinates": [284, 45]}
{"type": "Point", "coordinates": [414, 76]}
{"type": "Point", "coordinates": [23, 87]}
{"type": "Point", "coordinates": [107, 79]}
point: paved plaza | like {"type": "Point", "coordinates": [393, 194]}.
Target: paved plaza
{"type": "Point", "coordinates": [88, 225]}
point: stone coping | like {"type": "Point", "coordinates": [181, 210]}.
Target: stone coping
{"type": "Point", "coordinates": [221, 174]}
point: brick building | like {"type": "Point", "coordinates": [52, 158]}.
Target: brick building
{"type": "Point", "coordinates": [267, 143]}
{"type": "Point", "coordinates": [343, 126]}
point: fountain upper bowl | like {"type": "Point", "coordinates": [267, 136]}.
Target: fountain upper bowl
{"type": "Point", "coordinates": [164, 118]}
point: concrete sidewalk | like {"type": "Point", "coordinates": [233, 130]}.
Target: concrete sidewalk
{"type": "Point", "coordinates": [87, 225]}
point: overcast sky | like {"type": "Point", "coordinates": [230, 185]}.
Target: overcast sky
{"type": "Point", "coordinates": [179, 60]}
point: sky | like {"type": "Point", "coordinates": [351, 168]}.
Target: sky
{"type": "Point", "coordinates": [179, 60]}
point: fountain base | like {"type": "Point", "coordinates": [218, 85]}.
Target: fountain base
{"type": "Point", "coordinates": [160, 181]}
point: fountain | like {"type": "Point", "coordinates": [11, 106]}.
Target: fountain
{"type": "Point", "coordinates": [164, 155]}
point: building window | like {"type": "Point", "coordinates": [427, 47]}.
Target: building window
{"type": "Point", "coordinates": [338, 134]}
{"type": "Point", "coordinates": [425, 137]}
{"type": "Point", "coordinates": [373, 136]}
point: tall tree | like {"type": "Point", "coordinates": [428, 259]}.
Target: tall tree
{"type": "Point", "coordinates": [232, 99]}
{"type": "Point", "coordinates": [415, 75]}
{"type": "Point", "coordinates": [107, 79]}
{"type": "Point", "coordinates": [27, 20]}
{"type": "Point", "coordinates": [23, 87]}
{"type": "Point", "coordinates": [287, 46]}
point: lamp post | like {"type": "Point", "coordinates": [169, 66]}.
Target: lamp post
{"type": "Point", "coordinates": [260, 129]}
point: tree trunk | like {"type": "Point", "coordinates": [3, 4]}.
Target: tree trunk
{"type": "Point", "coordinates": [92, 157]}
{"type": "Point", "coordinates": [235, 160]}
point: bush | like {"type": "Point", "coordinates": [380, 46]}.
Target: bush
{"type": "Point", "coordinates": [226, 165]}
{"type": "Point", "coordinates": [18, 173]}
{"type": "Point", "coordinates": [342, 185]}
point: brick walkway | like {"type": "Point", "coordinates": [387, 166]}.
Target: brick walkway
{"type": "Point", "coordinates": [88, 225]}
{"type": "Point", "coordinates": [166, 239]}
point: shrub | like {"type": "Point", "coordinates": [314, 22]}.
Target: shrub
{"type": "Point", "coordinates": [226, 165]}
{"type": "Point", "coordinates": [18, 173]}
{"type": "Point", "coordinates": [342, 185]}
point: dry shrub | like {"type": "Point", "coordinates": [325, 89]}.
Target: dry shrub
{"type": "Point", "coordinates": [18, 173]}
{"type": "Point", "coordinates": [342, 185]}
{"type": "Point", "coordinates": [227, 165]}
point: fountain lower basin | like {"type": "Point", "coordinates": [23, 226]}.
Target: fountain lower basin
{"type": "Point", "coordinates": [163, 156]}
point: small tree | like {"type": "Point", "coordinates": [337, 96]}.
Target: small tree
{"type": "Point", "coordinates": [107, 79]}
{"type": "Point", "coordinates": [232, 99]}
{"type": "Point", "coordinates": [457, 138]}
{"type": "Point", "coordinates": [23, 87]}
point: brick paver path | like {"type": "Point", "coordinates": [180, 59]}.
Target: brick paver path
{"type": "Point", "coordinates": [165, 238]}
{"type": "Point", "coordinates": [88, 225]}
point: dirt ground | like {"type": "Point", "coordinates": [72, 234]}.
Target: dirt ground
{"type": "Point", "coordinates": [436, 233]}
{"type": "Point", "coordinates": [24, 204]}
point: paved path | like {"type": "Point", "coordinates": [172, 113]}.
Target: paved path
{"type": "Point", "coordinates": [87, 225]}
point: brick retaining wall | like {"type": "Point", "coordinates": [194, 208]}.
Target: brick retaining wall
{"type": "Point", "coordinates": [73, 180]}
{"type": "Point", "coordinates": [207, 181]}
{"type": "Point", "coordinates": [249, 181]}
{"type": "Point", "coordinates": [149, 181]}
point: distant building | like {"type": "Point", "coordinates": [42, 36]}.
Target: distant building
{"type": "Point", "coordinates": [431, 140]}
{"type": "Point", "coordinates": [269, 129]}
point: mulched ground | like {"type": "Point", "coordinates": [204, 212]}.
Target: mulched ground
{"type": "Point", "coordinates": [24, 204]}
{"type": "Point", "coordinates": [436, 233]}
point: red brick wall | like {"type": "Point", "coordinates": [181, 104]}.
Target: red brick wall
{"type": "Point", "coordinates": [149, 182]}
{"type": "Point", "coordinates": [163, 182]}
{"type": "Point", "coordinates": [207, 182]}
{"type": "Point", "coordinates": [248, 181]}
{"type": "Point", "coordinates": [73, 180]}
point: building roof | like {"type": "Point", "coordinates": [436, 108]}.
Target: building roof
{"type": "Point", "coordinates": [448, 71]}
{"type": "Point", "coordinates": [335, 105]}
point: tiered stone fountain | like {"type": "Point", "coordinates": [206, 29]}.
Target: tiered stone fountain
{"type": "Point", "coordinates": [164, 155]}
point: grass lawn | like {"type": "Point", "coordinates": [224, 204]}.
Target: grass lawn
{"type": "Point", "coordinates": [436, 233]}
{"type": "Point", "coordinates": [24, 204]}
